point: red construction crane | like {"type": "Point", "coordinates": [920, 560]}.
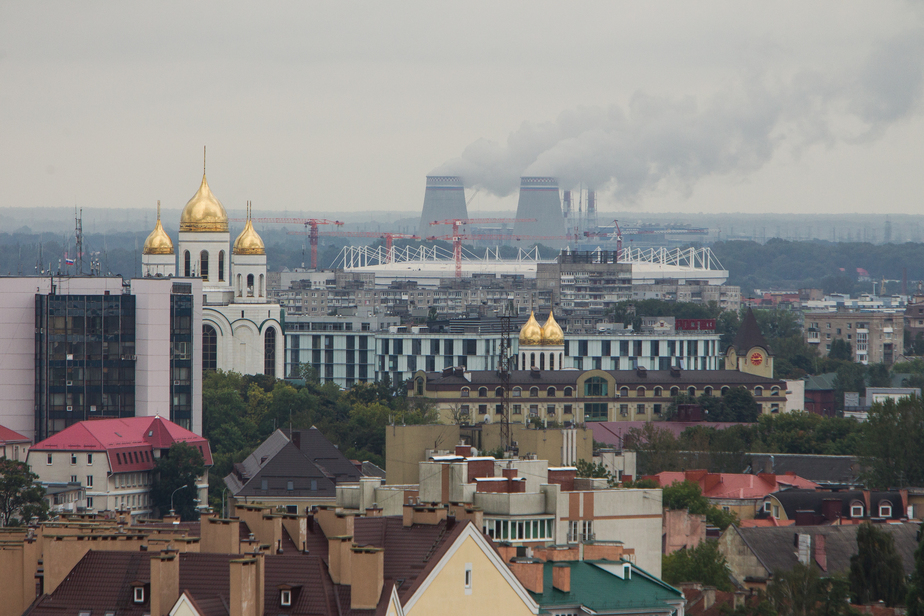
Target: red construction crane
{"type": "Point", "coordinates": [311, 225]}
{"type": "Point", "coordinates": [457, 239]}
{"type": "Point", "coordinates": [389, 237]}
{"type": "Point", "coordinates": [610, 235]}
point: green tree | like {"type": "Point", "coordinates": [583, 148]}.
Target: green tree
{"type": "Point", "coordinates": [656, 448]}
{"type": "Point", "coordinates": [704, 564]}
{"type": "Point", "coordinates": [737, 404]}
{"type": "Point", "coordinates": [850, 377]}
{"type": "Point", "coordinates": [589, 469]}
{"type": "Point", "coordinates": [688, 495]}
{"type": "Point", "coordinates": [801, 591]}
{"type": "Point", "coordinates": [891, 443]}
{"type": "Point", "coordinates": [175, 477]}
{"type": "Point", "coordinates": [841, 349]}
{"type": "Point", "coordinates": [20, 497]}
{"type": "Point", "coordinates": [876, 572]}
{"type": "Point", "coordinates": [915, 598]}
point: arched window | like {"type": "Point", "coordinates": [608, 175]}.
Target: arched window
{"type": "Point", "coordinates": [550, 392]}
{"type": "Point", "coordinates": [724, 389]}
{"type": "Point", "coordinates": [542, 361]}
{"type": "Point", "coordinates": [209, 348]}
{"type": "Point", "coordinates": [758, 391]}
{"type": "Point", "coordinates": [856, 509]}
{"type": "Point", "coordinates": [707, 391]}
{"type": "Point", "coordinates": [499, 392]}
{"type": "Point", "coordinates": [221, 266]}
{"type": "Point", "coordinates": [464, 392]}
{"type": "Point", "coordinates": [532, 360]}
{"type": "Point", "coordinates": [186, 264]}
{"type": "Point", "coordinates": [482, 392]}
{"type": "Point", "coordinates": [595, 386]}
{"type": "Point", "coordinates": [640, 392]}
{"type": "Point", "coordinates": [623, 392]}
{"type": "Point", "coordinates": [204, 264]}
{"type": "Point", "coordinates": [551, 361]}
{"type": "Point", "coordinates": [658, 392]}
{"type": "Point", "coordinates": [261, 286]}
{"type": "Point", "coordinates": [885, 509]}
{"type": "Point", "coordinates": [561, 364]}
{"type": "Point", "coordinates": [420, 385]}
{"type": "Point", "coordinates": [568, 392]}
{"type": "Point", "coordinates": [692, 391]}
{"type": "Point", "coordinates": [240, 285]}
{"type": "Point", "coordinates": [675, 391]}
{"type": "Point", "coordinates": [517, 392]}
{"type": "Point", "coordinates": [533, 392]}
{"type": "Point", "coordinates": [249, 285]}
{"type": "Point", "coordinates": [269, 352]}
{"type": "Point", "coordinates": [774, 391]}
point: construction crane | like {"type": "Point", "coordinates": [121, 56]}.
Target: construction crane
{"type": "Point", "coordinates": [617, 236]}
{"type": "Point", "coordinates": [457, 239]}
{"type": "Point", "coordinates": [311, 229]}
{"type": "Point", "coordinates": [389, 238]}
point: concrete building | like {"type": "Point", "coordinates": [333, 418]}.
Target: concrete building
{"type": "Point", "coordinates": [874, 337]}
{"type": "Point", "coordinates": [99, 347]}
{"type": "Point", "coordinates": [13, 445]}
{"type": "Point", "coordinates": [114, 460]}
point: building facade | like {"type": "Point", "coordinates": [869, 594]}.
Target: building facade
{"type": "Point", "coordinates": [874, 337]}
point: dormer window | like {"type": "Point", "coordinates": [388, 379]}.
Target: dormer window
{"type": "Point", "coordinates": [856, 511]}
{"type": "Point", "coordinates": [885, 509]}
{"type": "Point", "coordinates": [139, 594]}
{"type": "Point", "coordinates": [767, 506]}
{"type": "Point", "coordinates": [285, 598]}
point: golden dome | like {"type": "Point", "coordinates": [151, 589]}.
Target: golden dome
{"type": "Point", "coordinates": [158, 243]}
{"type": "Point", "coordinates": [551, 332]}
{"type": "Point", "coordinates": [531, 333]}
{"type": "Point", "coordinates": [249, 242]}
{"type": "Point", "coordinates": [204, 213]}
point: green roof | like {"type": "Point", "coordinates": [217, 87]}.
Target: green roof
{"type": "Point", "coordinates": [596, 585]}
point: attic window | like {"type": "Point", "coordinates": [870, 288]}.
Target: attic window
{"type": "Point", "coordinates": [767, 506]}
{"type": "Point", "coordinates": [150, 432]}
{"type": "Point", "coordinates": [885, 509]}
{"type": "Point", "coordinates": [285, 598]}
{"type": "Point", "coordinates": [84, 613]}
{"type": "Point", "coordinates": [139, 594]}
{"type": "Point", "coordinates": [290, 485]}
{"type": "Point", "coordinates": [856, 511]}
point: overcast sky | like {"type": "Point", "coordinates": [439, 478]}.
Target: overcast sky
{"type": "Point", "coordinates": [347, 106]}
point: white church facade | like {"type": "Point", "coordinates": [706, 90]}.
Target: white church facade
{"type": "Point", "coordinates": [241, 329]}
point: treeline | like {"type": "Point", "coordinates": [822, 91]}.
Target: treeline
{"type": "Point", "coordinates": [783, 264]}
{"type": "Point", "coordinates": [240, 411]}
{"type": "Point", "coordinates": [887, 443]}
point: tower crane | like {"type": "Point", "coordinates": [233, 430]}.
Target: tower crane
{"type": "Point", "coordinates": [311, 229]}
{"type": "Point", "coordinates": [389, 238]}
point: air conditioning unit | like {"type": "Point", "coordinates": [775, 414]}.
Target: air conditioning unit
{"type": "Point", "coordinates": [70, 408]}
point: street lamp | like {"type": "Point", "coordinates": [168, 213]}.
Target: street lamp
{"type": "Point", "coordinates": [172, 510]}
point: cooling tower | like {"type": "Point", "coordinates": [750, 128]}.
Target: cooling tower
{"type": "Point", "coordinates": [539, 199]}
{"type": "Point", "coordinates": [445, 198]}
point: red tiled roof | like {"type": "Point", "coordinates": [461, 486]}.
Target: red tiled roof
{"type": "Point", "coordinates": [733, 485]}
{"type": "Point", "coordinates": [765, 522]}
{"type": "Point", "coordinates": [128, 441]}
{"type": "Point", "coordinates": [11, 436]}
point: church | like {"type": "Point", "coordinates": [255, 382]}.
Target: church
{"type": "Point", "coordinates": [241, 329]}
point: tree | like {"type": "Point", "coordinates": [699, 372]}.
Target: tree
{"type": "Point", "coordinates": [915, 598]}
{"type": "Point", "coordinates": [176, 476]}
{"type": "Point", "coordinates": [704, 564]}
{"type": "Point", "coordinates": [841, 349]}
{"type": "Point", "coordinates": [801, 591]}
{"type": "Point", "coordinates": [738, 405]}
{"type": "Point", "coordinates": [876, 572]}
{"type": "Point", "coordinates": [20, 497]}
{"type": "Point", "coordinates": [891, 443]}
{"type": "Point", "coordinates": [688, 495]}
{"type": "Point", "coordinates": [656, 448]}
{"type": "Point", "coordinates": [850, 377]}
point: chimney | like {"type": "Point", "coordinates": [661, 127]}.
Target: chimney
{"type": "Point", "coordinates": [464, 450]}
{"type": "Point", "coordinates": [338, 558]}
{"type": "Point", "coordinates": [243, 599]}
{"type": "Point", "coordinates": [529, 571]}
{"type": "Point", "coordinates": [444, 199]}
{"type": "Point", "coordinates": [539, 199]}
{"type": "Point", "coordinates": [368, 565]}
{"type": "Point", "coordinates": [260, 559]}
{"type": "Point", "coordinates": [561, 577]}
{"type": "Point", "coordinates": [708, 597]}
{"type": "Point", "coordinates": [165, 581]}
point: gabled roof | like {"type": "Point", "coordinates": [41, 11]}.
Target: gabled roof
{"type": "Point", "coordinates": [252, 464]}
{"type": "Point", "coordinates": [11, 436]}
{"type": "Point", "coordinates": [288, 465]}
{"type": "Point", "coordinates": [749, 335]}
{"type": "Point", "coordinates": [596, 586]}
{"type": "Point", "coordinates": [773, 546]}
{"type": "Point", "coordinates": [323, 453]}
{"type": "Point", "coordinates": [126, 435]}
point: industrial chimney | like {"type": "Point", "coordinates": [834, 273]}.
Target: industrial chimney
{"type": "Point", "coordinates": [539, 199]}
{"type": "Point", "coordinates": [444, 198]}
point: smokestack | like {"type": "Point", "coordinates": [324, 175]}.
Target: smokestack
{"type": "Point", "coordinates": [539, 199]}
{"type": "Point", "coordinates": [444, 198]}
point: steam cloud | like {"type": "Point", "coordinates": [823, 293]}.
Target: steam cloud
{"type": "Point", "coordinates": [628, 152]}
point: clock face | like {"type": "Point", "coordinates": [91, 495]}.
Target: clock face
{"type": "Point", "coordinates": [757, 359]}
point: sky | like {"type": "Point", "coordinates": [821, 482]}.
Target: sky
{"type": "Point", "coordinates": [323, 107]}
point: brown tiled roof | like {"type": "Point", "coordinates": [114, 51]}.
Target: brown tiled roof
{"type": "Point", "coordinates": [749, 335]}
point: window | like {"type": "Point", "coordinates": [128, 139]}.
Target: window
{"type": "Point", "coordinates": [468, 578]}
{"type": "Point", "coordinates": [204, 265]}
{"type": "Point", "coordinates": [533, 392]}
{"type": "Point", "coordinates": [73, 478]}
{"type": "Point", "coordinates": [517, 392]}
{"type": "Point", "coordinates": [499, 409]}
{"type": "Point", "coordinates": [567, 409]}
{"type": "Point", "coordinates": [767, 506]}
{"type": "Point", "coordinates": [568, 392]}
{"type": "Point", "coordinates": [464, 392]}
{"type": "Point", "coordinates": [624, 410]}
{"type": "Point", "coordinates": [269, 352]}
{"type": "Point", "coordinates": [856, 511]}
{"type": "Point", "coordinates": [482, 392]}
{"type": "Point", "coordinates": [285, 598]}
{"type": "Point", "coordinates": [483, 409]}
{"type": "Point", "coordinates": [691, 391]}
{"type": "Point", "coordinates": [139, 594]}
{"type": "Point", "coordinates": [89, 502]}
{"type": "Point", "coordinates": [209, 348]}
{"type": "Point", "coordinates": [595, 386]}
{"type": "Point", "coordinates": [550, 392]}
{"type": "Point", "coordinates": [707, 391]}
{"type": "Point", "coordinates": [658, 392]}
{"type": "Point", "coordinates": [516, 409]}
{"type": "Point", "coordinates": [463, 410]}
{"type": "Point", "coordinates": [221, 266]}
{"type": "Point", "coordinates": [885, 509]}
{"type": "Point", "coordinates": [774, 391]}
{"type": "Point", "coordinates": [264, 484]}
{"type": "Point", "coordinates": [290, 485]}
{"type": "Point", "coordinates": [595, 411]}
{"type": "Point", "coordinates": [639, 409]}
{"type": "Point", "coordinates": [758, 391]}
{"type": "Point", "coordinates": [623, 392]}
{"type": "Point", "coordinates": [550, 409]}
{"type": "Point", "coordinates": [640, 392]}
{"type": "Point", "coordinates": [89, 481]}
{"type": "Point", "coordinates": [48, 460]}
{"type": "Point", "coordinates": [499, 392]}
{"type": "Point", "coordinates": [73, 459]}
{"type": "Point", "coordinates": [89, 459]}
{"type": "Point", "coordinates": [675, 391]}
{"type": "Point", "coordinates": [657, 409]}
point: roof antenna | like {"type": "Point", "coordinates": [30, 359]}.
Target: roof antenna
{"type": "Point", "coordinates": [203, 160]}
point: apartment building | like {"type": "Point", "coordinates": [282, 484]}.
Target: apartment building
{"type": "Point", "coordinates": [874, 337]}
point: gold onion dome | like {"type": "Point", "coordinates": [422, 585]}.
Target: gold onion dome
{"type": "Point", "coordinates": [158, 243]}
{"type": "Point", "coordinates": [204, 213]}
{"type": "Point", "coordinates": [531, 333]}
{"type": "Point", "coordinates": [249, 241]}
{"type": "Point", "coordinates": [551, 332]}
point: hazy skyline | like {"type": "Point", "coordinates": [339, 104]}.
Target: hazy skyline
{"type": "Point", "coordinates": [326, 107]}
